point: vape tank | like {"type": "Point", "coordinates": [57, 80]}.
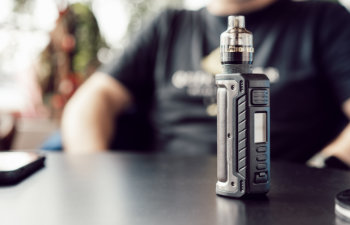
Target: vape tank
{"type": "Point", "coordinates": [243, 118]}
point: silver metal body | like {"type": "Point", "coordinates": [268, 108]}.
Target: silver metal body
{"type": "Point", "coordinates": [229, 183]}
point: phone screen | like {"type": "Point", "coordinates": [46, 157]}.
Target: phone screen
{"type": "Point", "coordinates": [14, 160]}
{"type": "Point", "coordinates": [15, 166]}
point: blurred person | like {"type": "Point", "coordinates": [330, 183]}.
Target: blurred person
{"type": "Point", "coordinates": [7, 130]}
{"type": "Point", "coordinates": [168, 69]}
{"type": "Point", "coordinates": [70, 57]}
{"type": "Point", "coordinates": [42, 90]}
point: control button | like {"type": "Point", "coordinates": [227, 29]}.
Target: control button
{"type": "Point", "coordinates": [261, 166]}
{"type": "Point", "coordinates": [261, 177]}
{"type": "Point", "coordinates": [260, 97]}
{"type": "Point", "coordinates": [261, 149]}
{"type": "Point", "coordinates": [261, 157]}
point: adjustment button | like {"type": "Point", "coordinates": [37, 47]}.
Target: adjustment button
{"type": "Point", "coordinates": [261, 166]}
{"type": "Point", "coordinates": [261, 149]}
{"type": "Point", "coordinates": [260, 97]}
{"type": "Point", "coordinates": [261, 177]}
{"type": "Point", "coordinates": [261, 157]}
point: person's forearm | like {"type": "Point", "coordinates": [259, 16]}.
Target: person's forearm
{"type": "Point", "coordinates": [340, 147]}
{"type": "Point", "coordinates": [86, 125]}
{"type": "Point", "coordinates": [88, 120]}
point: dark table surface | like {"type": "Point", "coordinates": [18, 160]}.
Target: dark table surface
{"type": "Point", "coordinates": [120, 188]}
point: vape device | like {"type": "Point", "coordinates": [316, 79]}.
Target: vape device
{"type": "Point", "coordinates": [243, 118]}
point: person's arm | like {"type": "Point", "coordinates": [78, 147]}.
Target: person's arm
{"type": "Point", "coordinates": [89, 117]}
{"type": "Point", "coordinates": [333, 61]}
{"type": "Point", "coordinates": [340, 147]}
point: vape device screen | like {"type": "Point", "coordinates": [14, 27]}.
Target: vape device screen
{"type": "Point", "coordinates": [259, 127]}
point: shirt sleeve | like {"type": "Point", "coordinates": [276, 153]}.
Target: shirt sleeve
{"type": "Point", "coordinates": [334, 49]}
{"type": "Point", "coordinates": [135, 67]}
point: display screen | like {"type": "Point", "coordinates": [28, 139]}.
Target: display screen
{"type": "Point", "coordinates": [260, 127]}
{"type": "Point", "coordinates": [14, 160]}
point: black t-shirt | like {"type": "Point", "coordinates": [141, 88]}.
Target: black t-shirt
{"type": "Point", "coordinates": [303, 47]}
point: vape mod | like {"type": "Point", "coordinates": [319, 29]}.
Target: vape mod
{"type": "Point", "coordinates": [243, 119]}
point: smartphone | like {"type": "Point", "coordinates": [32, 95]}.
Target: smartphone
{"type": "Point", "coordinates": [16, 166]}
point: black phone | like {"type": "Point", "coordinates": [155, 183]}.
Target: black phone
{"type": "Point", "coordinates": [16, 166]}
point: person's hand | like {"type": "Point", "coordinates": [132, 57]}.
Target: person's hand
{"type": "Point", "coordinates": [337, 153]}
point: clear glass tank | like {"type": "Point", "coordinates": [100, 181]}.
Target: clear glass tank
{"type": "Point", "coordinates": [236, 43]}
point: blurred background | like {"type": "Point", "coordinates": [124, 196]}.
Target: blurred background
{"type": "Point", "coordinates": [49, 47]}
